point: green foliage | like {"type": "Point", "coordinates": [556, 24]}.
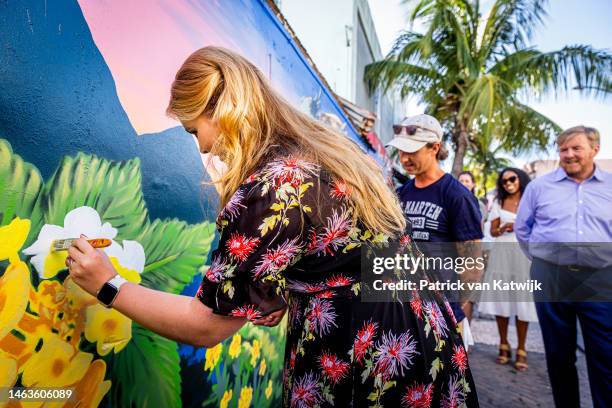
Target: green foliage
{"type": "Point", "coordinates": [174, 252]}
{"type": "Point", "coordinates": [235, 373]}
{"type": "Point", "coordinates": [113, 189]}
{"type": "Point", "coordinates": [146, 373]}
{"type": "Point", "coordinates": [20, 186]}
{"type": "Point", "coordinates": [472, 71]}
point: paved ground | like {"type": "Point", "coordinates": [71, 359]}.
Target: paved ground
{"type": "Point", "coordinates": [504, 387]}
{"type": "Point", "coordinates": [485, 332]}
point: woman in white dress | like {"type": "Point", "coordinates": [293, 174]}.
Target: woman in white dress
{"type": "Point", "coordinates": [507, 262]}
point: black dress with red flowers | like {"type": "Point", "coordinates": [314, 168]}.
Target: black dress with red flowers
{"type": "Point", "coordinates": [290, 227]}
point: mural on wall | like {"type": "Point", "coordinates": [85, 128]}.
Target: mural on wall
{"type": "Point", "coordinates": [85, 147]}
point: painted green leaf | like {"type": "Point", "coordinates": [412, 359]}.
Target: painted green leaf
{"type": "Point", "coordinates": [20, 185]}
{"type": "Point", "coordinates": [146, 373]}
{"type": "Point", "coordinates": [111, 188]}
{"type": "Point", "coordinates": [174, 252]}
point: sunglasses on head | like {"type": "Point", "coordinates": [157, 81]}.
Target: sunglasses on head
{"type": "Point", "coordinates": [410, 129]}
{"type": "Point", "coordinates": [510, 179]}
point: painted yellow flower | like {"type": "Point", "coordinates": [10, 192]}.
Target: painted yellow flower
{"type": "Point", "coordinates": [56, 364]}
{"type": "Point", "coordinates": [213, 355]}
{"type": "Point", "coordinates": [30, 327]}
{"type": "Point", "coordinates": [246, 395]}
{"type": "Point", "coordinates": [255, 352]}
{"type": "Point", "coordinates": [268, 391]}
{"type": "Point", "coordinates": [86, 393]}
{"type": "Point", "coordinates": [8, 370]}
{"type": "Point", "coordinates": [227, 397]}
{"type": "Point", "coordinates": [14, 290]}
{"type": "Point", "coordinates": [8, 374]}
{"type": "Point", "coordinates": [235, 346]}
{"type": "Point", "coordinates": [12, 238]}
{"type": "Point", "coordinates": [109, 328]}
{"type": "Point", "coordinates": [128, 259]}
{"type": "Point", "coordinates": [92, 388]}
{"type": "Point", "coordinates": [129, 274]}
{"type": "Point", "coordinates": [262, 367]}
{"type": "Point", "coordinates": [76, 296]}
{"type": "Point", "coordinates": [51, 294]}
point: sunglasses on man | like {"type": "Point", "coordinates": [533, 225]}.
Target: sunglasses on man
{"type": "Point", "coordinates": [410, 129]}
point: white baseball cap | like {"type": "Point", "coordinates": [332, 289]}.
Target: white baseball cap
{"type": "Point", "coordinates": [415, 132]}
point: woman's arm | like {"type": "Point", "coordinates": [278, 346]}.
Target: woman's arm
{"type": "Point", "coordinates": [181, 318]}
{"type": "Point", "coordinates": [495, 230]}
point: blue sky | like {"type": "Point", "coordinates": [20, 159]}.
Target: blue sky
{"type": "Point", "coordinates": [568, 22]}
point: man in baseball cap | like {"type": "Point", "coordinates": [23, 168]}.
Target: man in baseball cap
{"type": "Point", "coordinates": [440, 209]}
{"type": "Point", "coordinates": [419, 141]}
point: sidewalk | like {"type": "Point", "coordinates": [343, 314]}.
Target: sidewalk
{"type": "Point", "coordinates": [504, 387]}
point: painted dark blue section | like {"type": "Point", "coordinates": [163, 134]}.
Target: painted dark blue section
{"type": "Point", "coordinates": [58, 97]}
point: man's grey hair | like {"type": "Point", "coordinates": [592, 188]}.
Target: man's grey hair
{"type": "Point", "coordinates": [591, 134]}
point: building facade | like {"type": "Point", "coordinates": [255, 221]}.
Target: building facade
{"type": "Point", "coordinates": [341, 39]}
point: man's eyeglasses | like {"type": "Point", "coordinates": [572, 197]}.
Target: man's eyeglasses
{"type": "Point", "coordinates": [510, 179]}
{"type": "Point", "coordinates": [410, 129]}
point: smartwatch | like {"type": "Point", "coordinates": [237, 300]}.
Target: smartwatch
{"type": "Point", "coordinates": [109, 291]}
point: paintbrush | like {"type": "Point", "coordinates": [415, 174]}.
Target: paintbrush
{"type": "Point", "coordinates": [64, 244]}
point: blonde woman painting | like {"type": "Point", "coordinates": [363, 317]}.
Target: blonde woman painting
{"type": "Point", "coordinates": [298, 202]}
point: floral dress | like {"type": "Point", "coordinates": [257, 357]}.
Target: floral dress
{"type": "Point", "coordinates": [289, 227]}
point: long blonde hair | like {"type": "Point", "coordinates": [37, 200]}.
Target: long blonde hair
{"type": "Point", "coordinates": [253, 119]}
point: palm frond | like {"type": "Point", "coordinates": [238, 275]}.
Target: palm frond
{"type": "Point", "coordinates": [526, 130]}
{"type": "Point", "coordinates": [389, 73]}
{"type": "Point", "coordinates": [421, 9]}
{"type": "Point", "coordinates": [483, 102]}
{"type": "Point", "coordinates": [511, 23]}
{"type": "Point", "coordinates": [578, 66]}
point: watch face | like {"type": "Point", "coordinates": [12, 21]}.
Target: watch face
{"type": "Point", "coordinates": [107, 294]}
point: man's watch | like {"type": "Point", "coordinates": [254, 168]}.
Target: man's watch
{"type": "Point", "coordinates": [109, 291]}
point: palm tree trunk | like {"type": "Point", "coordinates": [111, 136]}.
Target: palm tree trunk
{"type": "Point", "coordinates": [460, 137]}
{"type": "Point", "coordinates": [485, 178]}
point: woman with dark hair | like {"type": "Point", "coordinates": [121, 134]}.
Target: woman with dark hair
{"type": "Point", "coordinates": [508, 264]}
{"type": "Point", "coordinates": [505, 185]}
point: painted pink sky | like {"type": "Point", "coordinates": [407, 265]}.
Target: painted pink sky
{"type": "Point", "coordinates": [144, 43]}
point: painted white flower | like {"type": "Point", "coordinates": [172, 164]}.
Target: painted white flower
{"type": "Point", "coordinates": [129, 260]}
{"type": "Point", "coordinates": [82, 220]}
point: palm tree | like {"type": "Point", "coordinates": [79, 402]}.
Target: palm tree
{"type": "Point", "coordinates": [472, 72]}
{"type": "Point", "coordinates": [485, 164]}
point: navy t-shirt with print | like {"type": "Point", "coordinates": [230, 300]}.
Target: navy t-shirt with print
{"type": "Point", "coordinates": [445, 211]}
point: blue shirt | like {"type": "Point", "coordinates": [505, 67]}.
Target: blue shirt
{"type": "Point", "coordinates": [444, 211]}
{"type": "Point", "coordinates": [557, 209]}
